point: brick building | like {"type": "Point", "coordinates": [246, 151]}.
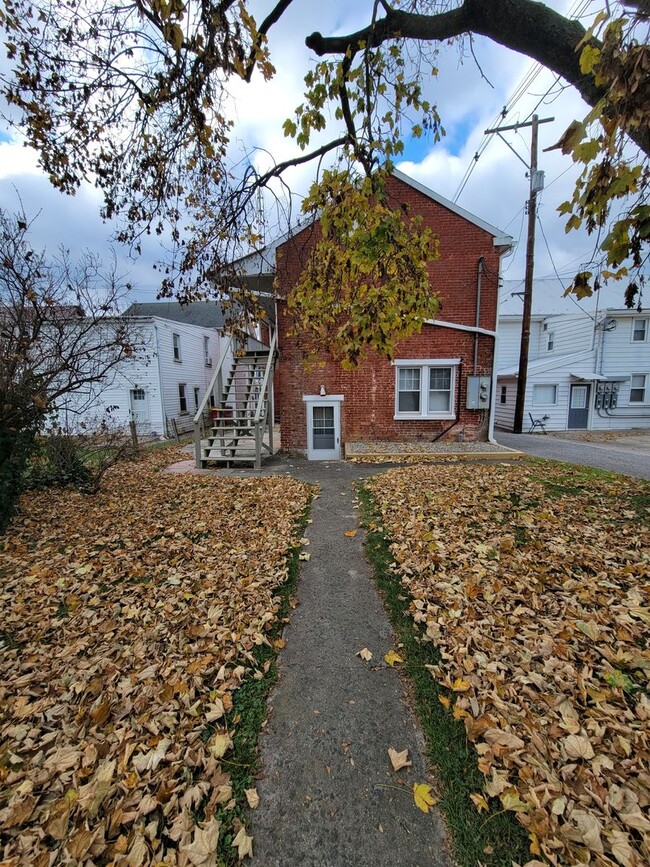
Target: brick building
{"type": "Point", "coordinates": [424, 394]}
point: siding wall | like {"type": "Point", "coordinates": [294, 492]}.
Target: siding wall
{"type": "Point", "coordinates": [152, 364]}
{"type": "Point", "coordinates": [190, 370]}
{"type": "Point", "coordinates": [504, 417]}
{"type": "Point", "coordinates": [368, 409]}
{"type": "Point", "coordinates": [109, 401]}
{"type": "Point", "coordinates": [621, 357]}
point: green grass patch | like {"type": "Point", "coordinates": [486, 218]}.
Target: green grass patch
{"type": "Point", "coordinates": [479, 839]}
{"type": "Point", "coordinates": [249, 710]}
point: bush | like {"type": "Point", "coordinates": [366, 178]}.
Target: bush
{"type": "Point", "coordinates": [79, 459]}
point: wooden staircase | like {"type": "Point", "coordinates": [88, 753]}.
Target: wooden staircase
{"type": "Point", "coordinates": [242, 414]}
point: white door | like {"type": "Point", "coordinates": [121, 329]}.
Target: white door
{"type": "Point", "coordinates": [139, 408]}
{"type": "Point", "coordinates": [323, 430]}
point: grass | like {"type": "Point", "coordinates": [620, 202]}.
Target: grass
{"type": "Point", "coordinates": [493, 840]}
{"type": "Point", "coordinates": [249, 708]}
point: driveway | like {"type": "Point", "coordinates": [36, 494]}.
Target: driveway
{"type": "Point", "coordinates": [629, 455]}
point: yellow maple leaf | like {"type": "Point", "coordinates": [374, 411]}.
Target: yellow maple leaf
{"type": "Point", "coordinates": [392, 658]}
{"type": "Point", "coordinates": [350, 533]}
{"type": "Point", "coordinates": [365, 654]}
{"type": "Point", "coordinates": [479, 802]}
{"type": "Point", "coordinates": [423, 798]}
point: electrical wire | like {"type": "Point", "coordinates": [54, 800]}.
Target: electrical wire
{"type": "Point", "coordinates": [560, 281]}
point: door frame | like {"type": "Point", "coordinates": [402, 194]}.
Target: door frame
{"type": "Point", "coordinates": [139, 424]}
{"type": "Point", "coordinates": [586, 385]}
{"type": "Point", "coordinates": [335, 401]}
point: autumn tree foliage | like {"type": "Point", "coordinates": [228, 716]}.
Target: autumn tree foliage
{"type": "Point", "coordinates": [135, 98]}
{"type": "Point", "coordinates": [58, 334]}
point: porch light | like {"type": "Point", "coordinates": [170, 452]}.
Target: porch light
{"type": "Point", "coordinates": [322, 391]}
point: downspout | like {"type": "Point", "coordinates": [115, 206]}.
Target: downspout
{"type": "Point", "coordinates": [479, 281]}
{"type": "Point", "coordinates": [160, 381]}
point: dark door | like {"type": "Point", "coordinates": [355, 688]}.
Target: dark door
{"type": "Point", "coordinates": [579, 407]}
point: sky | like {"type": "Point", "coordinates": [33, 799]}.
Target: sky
{"type": "Point", "coordinates": [495, 191]}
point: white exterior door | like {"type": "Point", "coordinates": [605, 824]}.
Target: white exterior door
{"type": "Point", "coordinates": [139, 407]}
{"type": "Point", "coordinates": [323, 428]}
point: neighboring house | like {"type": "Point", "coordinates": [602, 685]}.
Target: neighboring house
{"type": "Point", "coordinates": [441, 381]}
{"type": "Point", "coordinates": [588, 369]}
{"type": "Point", "coordinates": [160, 386]}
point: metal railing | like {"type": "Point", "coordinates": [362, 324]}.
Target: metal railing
{"type": "Point", "coordinates": [216, 377]}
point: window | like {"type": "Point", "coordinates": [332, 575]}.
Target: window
{"type": "Point", "coordinates": [197, 392]}
{"type": "Point", "coordinates": [504, 394]}
{"type": "Point", "coordinates": [425, 389]}
{"type": "Point", "coordinates": [182, 397]}
{"type": "Point", "coordinates": [550, 340]}
{"type": "Point", "coordinates": [637, 388]}
{"type": "Point", "coordinates": [176, 341]}
{"type": "Point", "coordinates": [439, 389]}
{"type": "Point", "coordinates": [544, 395]}
{"type": "Point", "coordinates": [408, 389]}
{"type": "Point", "coordinates": [206, 351]}
{"type": "Point", "coordinates": [639, 330]}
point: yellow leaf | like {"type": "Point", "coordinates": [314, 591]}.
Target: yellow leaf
{"type": "Point", "coordinates": [244, 844]}
{"type": "Point", "coordinates": [219, 745]}
{"type": "Point", "coordinates": [364, 653]}
{"type": "Point", "coordinates": [203, 848]}
{"type": "Point", "coordinates": [512, 801]}
{"type": "Point", "coordinates": [350, 533]}
{"type": "Point", "coordinates": [392, 658]}
{"type": "Point", "coordinates": [460, 685]}
{"type": "Point", "coordinates": [252, 797]}
{"type": "Point", "coordinates": [480, 803]}
{"type": "Point", "coordinates": [399, 760]}
{"type": "Point", "coordinates": [423, 798]}
{"type": "Point", "coordinates": [444, 701]}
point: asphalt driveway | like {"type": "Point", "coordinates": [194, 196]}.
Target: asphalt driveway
{"type": "Point", "coordinates": [629, 455]}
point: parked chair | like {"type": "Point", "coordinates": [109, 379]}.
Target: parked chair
{"type": "Point", "coordinates": [537, 423]}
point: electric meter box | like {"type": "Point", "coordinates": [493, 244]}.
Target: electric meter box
{"type": "Point", "coordinates": [478, 392]}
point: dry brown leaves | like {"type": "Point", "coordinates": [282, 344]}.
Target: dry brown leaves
{"type": "Point", "coordinates": [535, 585]}
{"type": "Point", "coordinates": [128, 621]}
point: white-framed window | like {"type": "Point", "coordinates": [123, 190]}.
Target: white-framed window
{"type": "Point", "coordinates": [424, 388]}
{"type": "Point", "coordinates": [206, 351]}
{"type": "Point", "coordinates": [544, 395]}
{"type": "Point", "coordinates": [639, 329]}
{"type": "Point", "coordinates": [504, 394]}
{"type": "Point", "coordinates": [176, 343]}
{"type": "Point", "coordinates": [550, 340]}
{"type": "Point", "coordinates": [197, 396]}
{"type": "Point", "coordinates": [182, 397]}
{"type": "Point", "coordinates": [638, 387]}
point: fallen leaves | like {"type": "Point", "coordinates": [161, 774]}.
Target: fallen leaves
{"type": "Point", "coordinates": [534, 585]}
{"type": "Point", "coordinates": [392, 658]}
{"type": "Point", "coordinates": [422, 797]}
{"type": "Point", "coordinates": [129, 620]}
{"type": "Point", "coordinates": [399, 760]}
{"type": "Point", "coordinates": [365, 654]}
{"type": "Point", "coordinates": [350, 534]}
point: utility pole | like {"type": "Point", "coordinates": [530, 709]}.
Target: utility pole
{"type": "Point", "coordinates": [536, 184]}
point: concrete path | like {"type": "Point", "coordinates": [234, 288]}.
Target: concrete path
{"type": "Point", "coordinates": [628, 455]}
{"type": "Point", "coordinates": [328, 794]}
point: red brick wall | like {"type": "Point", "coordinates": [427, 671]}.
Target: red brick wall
{"type": "Point", "coordinates": [369, 405]}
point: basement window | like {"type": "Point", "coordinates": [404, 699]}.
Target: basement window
{"type": "Point", "coordinates": [182, 398]}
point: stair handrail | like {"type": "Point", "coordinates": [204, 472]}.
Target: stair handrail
{"type": "Point", "coordinates": [265, 381]}
{"type": "Point", "coordinates": [213, 381]}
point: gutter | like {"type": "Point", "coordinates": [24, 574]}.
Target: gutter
{"type": "Point", "coordinates": [160, 383]}
{"type": "Point", "coordinates": [473, 329]}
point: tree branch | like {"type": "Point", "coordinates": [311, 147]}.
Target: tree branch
{"type": "Point", "coordinates": [525, 26]}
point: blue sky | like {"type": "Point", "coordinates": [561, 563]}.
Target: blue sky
{"type": "Point", "coordinates": [496, 190]}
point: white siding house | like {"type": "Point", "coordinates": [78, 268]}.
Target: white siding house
{"type": "Point", "coordinates": [588, 368]}
{"type": "Point", "coordinates": [159, 387]}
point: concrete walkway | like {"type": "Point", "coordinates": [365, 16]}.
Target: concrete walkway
{"type": "Point", "coordinates": [328, 794]}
